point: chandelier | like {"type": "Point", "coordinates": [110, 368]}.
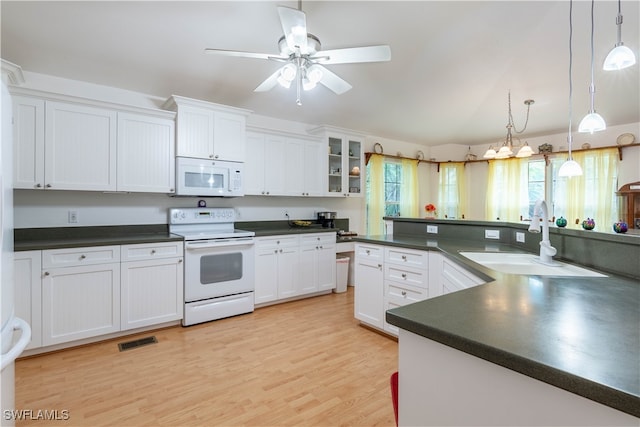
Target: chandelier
{"type": "Point", "coordinates": [506, 150]}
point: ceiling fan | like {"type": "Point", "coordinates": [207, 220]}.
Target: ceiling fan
{"type": "Point", "coordinates": [303, 59]}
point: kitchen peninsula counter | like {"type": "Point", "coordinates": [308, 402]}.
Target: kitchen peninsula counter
{"type": "Point", "coordinates": [27, 239]}
{"type": "Point", "coordinates": [579, 334]}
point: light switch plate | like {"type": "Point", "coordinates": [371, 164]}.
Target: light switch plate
{"type": "Point", "coordinates": [492, 234]}
{"type": "Point", "coordinates": [432, 229]}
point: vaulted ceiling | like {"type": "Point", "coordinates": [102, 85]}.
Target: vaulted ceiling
{"type": "Point", "coordinates": [452, 62]}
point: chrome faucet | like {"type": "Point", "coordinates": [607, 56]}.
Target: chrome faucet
{"type": "Point", "coordinates": [546, 250]}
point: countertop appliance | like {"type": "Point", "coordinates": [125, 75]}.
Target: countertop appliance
{"type": "Point", "coordinates": [327, 219]}
{"type": "Point", "coordinates": [9, 322]}
{"type": "Point", "coordinates": [218, 264]}
{"type": "Point", "coordinates": [212, 178]}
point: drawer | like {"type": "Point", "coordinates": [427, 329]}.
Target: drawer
{"type": "Point", "coordinates": [403, 294]}
{"type": "Point", "coordinates": [406, 275]}
{"type": "Point", "coordinates": [370, 252]}
{"type": "Point", "coordinates": [52, 258]}
{"type": "Point", "coordinates": [318, 239]}
{"type": "Point", "coordinates": [406, 257]}
{"type": "Point", "coordinates": [144, 251]}
{"type": "Point", "coordinates": [273, 242]}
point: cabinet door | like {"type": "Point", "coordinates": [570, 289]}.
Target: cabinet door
{"type": "Point", "coordinates": [353, 172]}
{"type": "Point", "coordinates": [28, 142]}
{"type": "Point", "coordinates": [146, 159]}
{"type": "Point", "coordinates": [294, 168]}
{"type": "Point", "coordinates": [266, 266]}
{"type": "Point", "coordinates": [229, 139]}
{"type": "Point", "coordinates": [80, 302]}
{"type": "Point", "coordinates": [195, 132]}
{"type": "Point", "coordinates": [314, 162]}
{"type": "Point", "coordinates": [28, 292]}
{"type": "Point", "coordinates": [80, 147]}
{"type": "Point", "coordinates": [274, 177]}
{"type": "Point", "coordinates": [254, 168]}
{"type": "Point", "coordinates": [152, 292]}
{"type": "Point", "coordinates": [287, 271]}
{"type": "Point", "coordinates": [308, 267]}
{"type": "Point", "coordinates": [327, 266]}
{"type": "Point", "coordinates": [369, 290]}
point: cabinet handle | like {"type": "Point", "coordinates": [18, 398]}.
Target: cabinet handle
{"type": "Point", "coordinates": [48, 185]}
{"type": "Point", "coordinates": [38, 185]}
{"type": "Point", "coordinates": [46, 273]}
{"type": "Point", "coordinates": [83, 256]}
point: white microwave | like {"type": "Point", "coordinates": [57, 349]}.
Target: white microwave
{"type": "Point", "coordinates": [208, 178]}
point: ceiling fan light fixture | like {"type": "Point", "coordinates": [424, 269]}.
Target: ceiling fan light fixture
{"type": "Point", "coordinates": [314, 73]}
{"type": "Point", "coordinates": [287, 75]}
{"type": "Point", "coordinates": [308, 84]}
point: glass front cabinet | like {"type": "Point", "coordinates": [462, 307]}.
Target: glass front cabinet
{"type": "Point", "coordinates": [345, 164]}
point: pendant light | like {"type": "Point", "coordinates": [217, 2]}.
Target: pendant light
{"type": "Point", "coordinates": [592, 122]}
{"type": "Point", "coordinates": [570, 167]}
{"type": "Point", "coordinates": [620, 56]}
{"type": "Point", "coordinates": [506, 150]}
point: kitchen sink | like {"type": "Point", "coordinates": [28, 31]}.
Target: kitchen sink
{"type": "Point", "coordinates": [526, 264]}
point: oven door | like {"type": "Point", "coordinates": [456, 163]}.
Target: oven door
{"type": "Point", "coordinates": [218, 267]}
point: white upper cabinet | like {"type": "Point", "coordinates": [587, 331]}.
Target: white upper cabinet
{"type": "Point", "coordinates": [209, 131]}
{"type": "Point", "coordinates": [80, 147]}
{"type": "Point", "coordinates": [64, 143]}
{"type": "Point", "coordinates": [344, 170]}
{"type": "Point", "coordinates": [146, 156]}
{"type": "Point", "coordinates": [28, 151]}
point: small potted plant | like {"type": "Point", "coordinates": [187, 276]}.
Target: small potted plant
{"type": "Point", "coordinates": [431, 210]}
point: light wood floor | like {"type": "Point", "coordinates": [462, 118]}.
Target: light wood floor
{"type": "Point", "coordinates": [303, 363]}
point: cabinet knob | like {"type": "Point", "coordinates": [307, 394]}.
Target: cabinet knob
{"type": "Point", "coordinates": [267, 193]}
{"type": "Point", "coordinates": [277, 242]}
{"type": "Point", "coordinates": [275, 251]}
{"type": "Point", "coordinates": [404, 276]}
{"type": "Point", "coordinates": [404, 293]}
{"type": "Point", "coordinates": [263, 192]}
{"type": "Point", "coordinates": [211, 156]}
{"type": "Point", "coordinates": [321, 247]}
{"type": "Point", "coordinates": [46, 273]}
{"type": "Point", "coordinates": [380, 266]}
{"type": "Point", "coordinates": [83, 256]}
{"type": "Point", "coordinates": [48, 185]}
{"type": "Point", "coordinates": [368, 252]}
{"type": "Point", "coordinates": [280, 250]}
{"type": "Point", "coordinates": [216, 156]}
{"type": "Point", "coordinates": [38, 185]}
{"type": "Point", "coordinates": [180, 260]}
{"type": "Point", "coordinates": [317, 248]}
{"type": "Point", "coordinates": [153, 251]}
{"type": "Point", "coordinates": [404, 257]}
{"type": "Point", "coordinates": [171, 190]}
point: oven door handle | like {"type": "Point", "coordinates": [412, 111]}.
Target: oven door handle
{"type": "Point", "coordinates": [219, 243]}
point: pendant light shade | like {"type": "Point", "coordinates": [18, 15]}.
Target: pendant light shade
{"type": "Point", "coordinates": [592, 122]}
{"type": "Point", "coordinates": [620, 56]}
{"type": "Point", "coordinates": [490, 153]}
{"type": "Point", "coordinates": [570, 168]}
{"type": "Point", "coordinates": [525, 151]}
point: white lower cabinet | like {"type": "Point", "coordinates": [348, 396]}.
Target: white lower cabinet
{"type": "Point", "coordinates": [290, 266]}
{"type": "Point", "coordinates": [28, 292]}
{"type": "Point", "coordinates": [78, 293]}
{"type": "Point", "coordinates": [80, 301]}
{"type": "Point", "coordinates": [388, 277]}
{"type": "Point", "coordinates": [151, 286]}
{"type": "Point", "coordinates": [369, 289]}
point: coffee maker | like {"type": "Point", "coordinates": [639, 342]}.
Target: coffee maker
{"type": "Point", "coordinates": [327, 219]}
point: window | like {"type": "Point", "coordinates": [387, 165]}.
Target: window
{"type": "Point", "coordinates": [452, 196]}
{"type": "Point", "coordinates": [536, 184]}
{"type": "Point", "coordinates": [392, 188]}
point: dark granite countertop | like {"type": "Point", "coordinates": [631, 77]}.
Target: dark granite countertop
{"type": "Point", "coordinates": [580, 334]}
{"type": "Point", "coordinates": [27, 239]}
{"type": "Point", "coordinates": [276, 228]}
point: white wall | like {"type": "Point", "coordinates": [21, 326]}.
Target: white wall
{"type": "Point", "coordinates": [50, 208]}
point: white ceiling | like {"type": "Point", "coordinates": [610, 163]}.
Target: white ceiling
{"type": "Point", "coordinates": [452, 63]}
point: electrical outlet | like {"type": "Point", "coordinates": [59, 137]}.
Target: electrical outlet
{"type": "Point", "coordinates": [492, 234]}
{"type": "Point", "coordinates": [73, 217]}
{"type": "Point", "coordinates": [432, 229]}
{"type": "Point", "coordinates": [519, 237]}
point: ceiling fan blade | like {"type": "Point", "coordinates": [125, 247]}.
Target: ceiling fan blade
{"type": "Point", "coordinates": [294, 27]}
{"type": "Point", "coordinates": [333, 82]}
{"type": "Point", "coordinates": [242, 54]}
{"type": "Point", "coordinates": [269, 83]}
{"type": "Point", "coordinates": [379, 53]}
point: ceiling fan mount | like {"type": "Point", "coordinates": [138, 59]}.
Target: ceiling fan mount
{"type": "Point", "coordinates": [304, 60]}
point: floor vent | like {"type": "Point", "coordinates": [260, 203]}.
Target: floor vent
{"type": "Point", "coordinates": [137, 343]}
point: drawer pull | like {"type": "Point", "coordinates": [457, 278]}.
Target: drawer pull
{"type": "Point", "coordinates": [180, 260]}
{"type": "Point", "coordinates": [46, 273]}
{"type": "Point", "coordinates": [380, 266]}
{"type": "Point", "coordinates": [404, 257]}
{"type": "Point", "coordinates": [368, 252]}
{"type": "Point", "coordinates": [404, 275]}
{"type": "Point", "coordinates": [153, 251]}
{"type": "Point", "coordinates": [404, 293]}
{"type": "Point", "coordinates": [83, 256]}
